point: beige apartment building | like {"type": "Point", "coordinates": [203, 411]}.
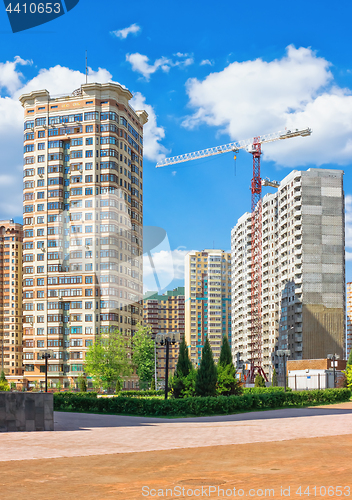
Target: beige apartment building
{"type": "Point", "coordinates": [303, 271]}
{"type": "Point", "coordinates": [11, 240]}
{"type": "Point", "coordinates": [166, 315]}
{"type": "Point", "coordinates": [207, 301]}
{"type": "Point", "coordinates": [83, 220]}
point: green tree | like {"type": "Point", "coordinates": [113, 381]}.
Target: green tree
{"type": "Point", "coordinates": [207, 374]}
{"type": "Point", "coordinates": [152, 384]}
{"type": "Point", "coordinates": [108, 360]}
{"type": "Point", "coordinates": [349, 361]}
{"type": "Point", "coordinates": [4, 385]}
{"type": "Point", "coordinates": [82, 384]}
{"type": "Point", "coordinates": [259, 381]}
{"type": "Point", "coordinates": [228, 384]}
{"type": "Point", "coordinates": [274, 379]}
{"type": "Point", "coordinates": [118, 387]}
{"type": "Point", "coordinates": [184, 365]}
{"type": "Point", "coordinates": [225, 353]}
{"type": "Point", "coordinates": [348, 374]}
{"type": "Point", "coordinates": [143, 354]}
{"type": "Point", "coordinates": [180, 384]}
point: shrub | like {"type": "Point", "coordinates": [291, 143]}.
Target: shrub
{"type": "Point", "coordinates": [206, 374]}
{"type": "Point", "coordinates": [274, 379]}
{"type": "Point", "coordinates": [82, 384]}
{"type": "Point", "coordinates": [196, 406]}
{"type": "Point", "coordinates": [227, 382]}
{"type": "Point", "coordinates": [259, 381]}
{"type": "Point", "coordinates": [4, 386]}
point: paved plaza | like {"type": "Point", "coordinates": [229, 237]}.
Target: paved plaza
{"type": "Point", "coordinates": [107, 456]}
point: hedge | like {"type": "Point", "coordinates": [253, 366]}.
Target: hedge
{"type": "Point", "coordinates": [196, 406]}
{"type": "Point", "coordinates": [143, 394]}
{"type": "Point", "coordinates": [261, 390]}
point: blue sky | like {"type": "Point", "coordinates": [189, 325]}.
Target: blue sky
{"type": "Point", "coordinates": [208, 72]}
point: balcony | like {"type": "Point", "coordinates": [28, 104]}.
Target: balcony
{"type": "Point", "coordinates": [298, 348]}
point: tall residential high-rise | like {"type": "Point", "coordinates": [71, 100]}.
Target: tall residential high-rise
{"type": "Point", "coordinates": [166, 314]}
{"type": "Point", "coordinates": [207, 300]}
{"type": "Point", "coordinates": [349, 320]}
{"type": "Point", "coordinates": [11, 238]}
{"type": "Point", "coordinates": [83, 236]}
{"type": "Point", "coordinates": [303, 270]}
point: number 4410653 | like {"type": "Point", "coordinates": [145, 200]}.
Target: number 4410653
{"type": "Point", "coordinates": [33, 8]}
{"type": "Point", "coordinates": [323, 491]}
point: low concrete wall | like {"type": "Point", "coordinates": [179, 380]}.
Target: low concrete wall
{"type": "Point", "coordinates": [26, 411]}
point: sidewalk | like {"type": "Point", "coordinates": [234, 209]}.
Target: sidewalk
{"type": "Point", "coordinates": [112, 457]}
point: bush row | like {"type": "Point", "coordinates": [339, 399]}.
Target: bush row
{"type": "Point", "coordinates": [196, 406]}
{"type": "Point", "coordinates": [261, 390]}
{"type": "Point", "coordinates": [140, 393]}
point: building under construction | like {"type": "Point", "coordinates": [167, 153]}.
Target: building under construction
{"type": "Point", "coordinates": [302, 271]}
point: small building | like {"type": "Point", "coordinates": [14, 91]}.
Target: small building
{"type": "Point", "coordinates": [309, 374]}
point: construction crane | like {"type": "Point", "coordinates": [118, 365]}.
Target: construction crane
{"type": "Point", "coordinates": [253, 146]}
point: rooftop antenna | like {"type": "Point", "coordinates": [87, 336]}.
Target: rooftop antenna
{"type": "Point", "coordinates": [86, 68]}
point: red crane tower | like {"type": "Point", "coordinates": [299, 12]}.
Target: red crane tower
{"type": "Point", "coordinates": [253, 146]}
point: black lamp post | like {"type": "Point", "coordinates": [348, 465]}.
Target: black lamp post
{"type": "Point", "coordinates": [46, 355]}
{"type": "Point", "coordinates": [333, 357]}
{"type": "Point", "coordinates": [166, 339]}
{"type": "Point", "coordinates": [283, 353]}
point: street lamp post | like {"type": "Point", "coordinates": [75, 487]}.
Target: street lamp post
{"type": "Point", "coordinates": [333, 357]}
{"type": "Point", "coordinates": [46, 355]}
{"type": "Point", "coordinates": [166, 339]}
{"type": "Point", "coordinates": [282, 353]}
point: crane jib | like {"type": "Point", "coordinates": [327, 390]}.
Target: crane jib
{"type": "Point", "coordinates": [234, 146]}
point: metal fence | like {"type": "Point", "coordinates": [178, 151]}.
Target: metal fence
{"type": "Point", "coordinates": [311, 381]}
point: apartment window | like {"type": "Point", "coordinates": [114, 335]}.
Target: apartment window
{"type": "Point", "coordinates": [40, 122]}
{"type": "Point", "coordinates": [41, 145]}
{"type": "Point", "coordinates": [41, 158]}
{"type": "Point", "coordinates": [77, 142]}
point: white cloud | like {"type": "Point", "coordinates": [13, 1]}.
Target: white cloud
{"type": "Point", "coordinates": [348, 225]}
{"type": "Point", "coordinates": [122, 34]}
{"type": "Point", "coordinates": [174, 172]}
{"type": "Point", "coordinates": [140, 63]}
{"type": "Point", "coordinates": [169, 265]}
{"type": "Point", "coordinates": [153, 134]}
{"type": "Point", "coordinates": [10, 78]}
{"type": "Point", "coordinates": [57, 80]}
{"type": "Point", "coordinates": [256, 97]}
{"type": "Point", "coordinates": [206, 62]}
